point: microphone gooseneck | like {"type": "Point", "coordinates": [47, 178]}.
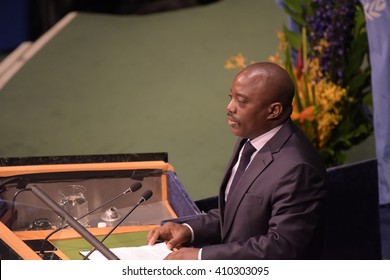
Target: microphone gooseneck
{"type": "Point", "coordinates": [133, 188]}
{"type": "Point", "coordinates": [72, 222]}
{"type": "Point", "coordinates": [144, 197]}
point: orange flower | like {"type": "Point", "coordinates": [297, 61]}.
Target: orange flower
{"type": "Point", "coordinates": [295, 115]}
{"type": "Point", "coordinates": [307, 114]}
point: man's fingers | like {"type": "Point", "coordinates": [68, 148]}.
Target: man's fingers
{"type": "Point", "coordinates": [171, 232]}
{"type": "Point", "coordinates": [153, 235]}
{"type": "Point", "coordinates": [174, 243]}
{"type": "Point", "coordinates": [170, 245]}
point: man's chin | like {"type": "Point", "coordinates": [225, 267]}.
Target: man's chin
{"type": "Point", "coordinates": [236, 130]}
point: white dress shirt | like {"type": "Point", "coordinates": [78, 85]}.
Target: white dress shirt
{"type": "Point", "coordinates": [257, 143]}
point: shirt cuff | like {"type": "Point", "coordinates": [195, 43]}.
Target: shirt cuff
{"type": "Point", "coordinates": [192, 240]}
{"type": "Point", "coordinates": [192, 232]}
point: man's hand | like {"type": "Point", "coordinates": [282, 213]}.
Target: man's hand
{"type": "Point", "coordinates": [175, 235]}
{"type": "Point", "coordinates": [183, 254]}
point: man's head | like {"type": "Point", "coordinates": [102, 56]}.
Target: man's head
{"type": "Point", "coordinates": [261, 99]}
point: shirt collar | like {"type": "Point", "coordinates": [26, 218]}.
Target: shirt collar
{"type": "Point", "coordinates": [260, 141]}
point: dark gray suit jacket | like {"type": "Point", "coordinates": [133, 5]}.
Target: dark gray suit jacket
{"type": "Point", "coordinates": [275, 208]}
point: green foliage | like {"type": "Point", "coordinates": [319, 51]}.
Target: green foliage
{"type": "Point", "coordinates": [356, 123]}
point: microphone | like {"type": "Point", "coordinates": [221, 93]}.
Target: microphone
{"type": "Point", "coordinates": [73, 223]}
{"type": "Point", "coordinates": [133, 188]}
{"type": "Point", "coordinates": [144, 197]}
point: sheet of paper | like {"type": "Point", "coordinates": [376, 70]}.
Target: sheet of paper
{"type": "Point", "coordinates": [156, 252]}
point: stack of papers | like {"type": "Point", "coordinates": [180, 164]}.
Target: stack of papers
{"type": "Point", "coordinates": [155, 252]}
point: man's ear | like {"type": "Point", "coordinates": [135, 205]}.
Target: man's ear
{"type": "Point", "coordinates": [275, 110]}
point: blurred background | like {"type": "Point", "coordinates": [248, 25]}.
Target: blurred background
{"type": "Point", "coordinates": [131, 76]}
{"type": "Point", "coordinates": [26, 20]}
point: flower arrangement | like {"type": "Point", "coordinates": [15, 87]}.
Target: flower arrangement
{"type": "Point", "coordinates": [327, 57]}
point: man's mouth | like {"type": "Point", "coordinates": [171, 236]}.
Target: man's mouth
{"type": "Point", "coordinates": [232, 120]}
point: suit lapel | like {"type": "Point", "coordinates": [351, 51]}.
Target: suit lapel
{"type": "Point", "coordinates": [262, 159]}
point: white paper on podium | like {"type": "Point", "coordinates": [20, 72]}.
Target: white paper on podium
{"type": "Point", "coordinates": [155, 252]}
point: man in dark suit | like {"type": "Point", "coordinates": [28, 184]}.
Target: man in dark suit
{"type": "Point", "coordinates": [270, 207]}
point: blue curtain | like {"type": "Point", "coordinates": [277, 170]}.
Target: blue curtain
{"type": "Point", "coordinates": [378, 28]}
{"type": "Point", "coordinates": [13, 23]}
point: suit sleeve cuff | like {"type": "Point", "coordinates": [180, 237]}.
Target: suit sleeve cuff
{"type": "Point", "coordinates": [192, 240]}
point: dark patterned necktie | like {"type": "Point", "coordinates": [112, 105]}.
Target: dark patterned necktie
{"type": "Point", "coordinates": [244, 161]}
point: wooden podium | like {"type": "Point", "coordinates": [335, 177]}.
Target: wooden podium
{"type": "Point", "coordinates": [67, 244]}
{"type": "Point", "coordinates": [103, 181]}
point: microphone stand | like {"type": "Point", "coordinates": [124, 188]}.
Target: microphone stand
{"type": "Point", "coordinates": [145, 196]}
{"type": "Point", "coordinates": [133, 188]}
{"type": "Point", "coordinates": [73, 223]}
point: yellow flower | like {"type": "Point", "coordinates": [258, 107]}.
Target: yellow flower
{"type": "Point", "coordinates": [328, 96]}
{"type": "Point", "coordinates": [318, 113]}
{"type": "Point", "coordinates": [282, 41]}
{"type": "Point", "coordinates": [323, 44]}
{"type": "Point", "coordinates": [235, 62]}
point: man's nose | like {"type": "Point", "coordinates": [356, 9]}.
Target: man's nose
{"type": "Point", "coordinates": [231, 107]}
